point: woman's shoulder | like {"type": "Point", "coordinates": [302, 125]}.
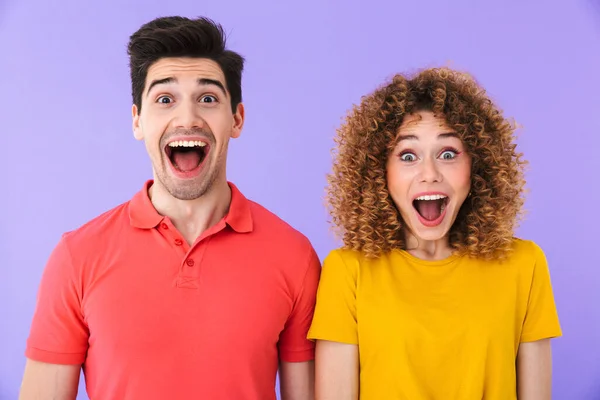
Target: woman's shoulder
{"type": "Point", "coordinates": [525, 256]}
{"type": "Point", "coordinates": [342, 256]}
{"type": "Point", "coordinates": [355, 262]}
{"type": "Point", "coordinates": [528, 249]}
{"type": "Point", "coordinates": [353, 258]}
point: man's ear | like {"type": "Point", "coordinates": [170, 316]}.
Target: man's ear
{"type": "Point", "coordinates": [238, 121]}
{"type": "Point", "coordinates": [138, 132]}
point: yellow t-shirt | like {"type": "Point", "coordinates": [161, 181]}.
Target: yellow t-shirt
{"type": "Point", "coordinates": [436, 330]}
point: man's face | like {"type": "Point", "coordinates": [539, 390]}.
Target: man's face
{"type": "Point", "coordinates": [186, 122]}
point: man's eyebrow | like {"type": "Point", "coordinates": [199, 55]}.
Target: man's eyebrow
{"type": "Point", "coordinates": [201, 81]}
{"type": "Point", "coordinates": [212, 82]}
{"type": "Point", "coordinates": [162, 81]}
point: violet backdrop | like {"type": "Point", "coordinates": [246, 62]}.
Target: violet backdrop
{"type": "Point", "coordinates": [69, 153]}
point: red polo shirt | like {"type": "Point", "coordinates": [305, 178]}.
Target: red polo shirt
{"type": "Point", "coordinates": [150, 317]}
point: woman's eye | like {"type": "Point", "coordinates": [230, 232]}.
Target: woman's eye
{"type": "Point", "coordinates": [408, 157]}
{"type": "Point", "coordinates": [448, 155]}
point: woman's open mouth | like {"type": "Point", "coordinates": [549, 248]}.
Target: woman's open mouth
{"type": "Point", "coordinates": [431, 208]}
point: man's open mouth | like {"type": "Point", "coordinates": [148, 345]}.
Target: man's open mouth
{"type": "Point", "coordinates": [186, 155]}
{"type": "Point", "coordinates": [430, 207]}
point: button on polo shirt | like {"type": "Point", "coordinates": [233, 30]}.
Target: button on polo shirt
{"type": "Point", "coordinates": [151, 317]}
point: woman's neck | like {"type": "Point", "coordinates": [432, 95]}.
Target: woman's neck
{"type": "Point", "coordinates": [430, 250]}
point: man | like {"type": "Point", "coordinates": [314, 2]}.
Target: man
{"type": "Point", "coordinates": [188, 290]}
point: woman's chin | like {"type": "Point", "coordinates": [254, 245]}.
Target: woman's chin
{"type": "Point", "coordinates": [427, 232]}
{"type": "Point", "coordinates": [430, 235]}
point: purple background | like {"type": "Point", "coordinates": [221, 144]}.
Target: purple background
{"type": "Point", "coordinates": [69, 154]}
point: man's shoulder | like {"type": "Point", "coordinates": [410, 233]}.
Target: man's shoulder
{"type": "Point", "coordinates": [271, 226]}
{"type": "Point", "coordinates": [97, 229]}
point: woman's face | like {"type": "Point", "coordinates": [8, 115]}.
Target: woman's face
{"type": "Point", "coordinates": [428, 175]}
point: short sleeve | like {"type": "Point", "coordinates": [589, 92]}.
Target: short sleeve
{"type": "Point", "coordinates": [541, 318]}
{"type": "Point", "coordinates": [335, 311]}
{"type": "Point", "coordinates": [293, 344]}
{"type": "Point", "coordinates": [58, 333]}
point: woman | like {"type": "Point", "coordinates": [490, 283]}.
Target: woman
{"type": "Point", "coordinates": [431, 296]}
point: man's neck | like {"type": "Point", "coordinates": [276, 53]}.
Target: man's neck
{"type": "Point", "coordinates": [192, 217]}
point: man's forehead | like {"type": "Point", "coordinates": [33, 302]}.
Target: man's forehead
{"type": "Point", "coordinates": [185, 68]}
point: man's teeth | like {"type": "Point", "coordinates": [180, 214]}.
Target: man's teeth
{"type": "Point", "coordinates": [431, 197]}
{"type": "Point", "coordinates": [187, 143]}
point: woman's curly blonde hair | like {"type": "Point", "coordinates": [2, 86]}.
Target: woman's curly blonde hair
{"type": "Point", "coordinates": [358, 198]}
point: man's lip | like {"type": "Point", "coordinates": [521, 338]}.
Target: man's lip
{"type": "Point", "coordinates": [206, 148]}
{"type": "Point", "coordinates": [188, 139]}
{"type": "Point", "coordinates": [168, 151]}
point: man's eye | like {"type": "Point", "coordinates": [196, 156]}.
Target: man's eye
{"type": "Point", "coordinates": [208, 99]}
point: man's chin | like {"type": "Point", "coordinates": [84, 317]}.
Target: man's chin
{"type": "Point", "coordinates": [185, 189]}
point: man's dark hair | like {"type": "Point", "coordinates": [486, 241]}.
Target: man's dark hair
{"type": "Point", "coordinates": [182, 37]}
